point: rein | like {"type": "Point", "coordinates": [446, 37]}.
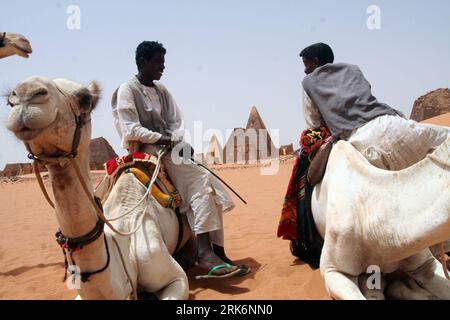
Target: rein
{"type": "Point", "coordinates": [70, 245]}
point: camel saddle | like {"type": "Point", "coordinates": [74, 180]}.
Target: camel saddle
{"type": "Point", "coordinates": [142, 165]}
{"type": "Point", "coordinates": [318, 165]}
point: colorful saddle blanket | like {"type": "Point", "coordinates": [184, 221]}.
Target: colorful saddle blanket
{"type": "Point", "coordinates": [296, 221]}
{"type": "Point", "coordinates": [142, 165]}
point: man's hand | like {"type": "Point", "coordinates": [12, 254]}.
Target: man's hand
{"type": "Point", "coordinates": [164, 141]}
{"type": "Point", "coordinates": [168, 141]}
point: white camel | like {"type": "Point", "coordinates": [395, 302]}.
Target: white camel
{"type": "Point", "coordinates": [14, 43]}
{"type": "Point", "coordinates": [43, 115]}
{"type": "Point", "coordinates": [388, 219]}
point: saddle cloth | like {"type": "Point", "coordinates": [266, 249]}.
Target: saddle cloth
{"type": "Point", "coordinates": [142, 165]}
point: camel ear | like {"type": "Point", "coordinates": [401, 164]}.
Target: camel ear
{"type": "Point", "coordinates": [88, 97]}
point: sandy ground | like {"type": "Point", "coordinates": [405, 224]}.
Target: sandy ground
{"type": "Point", "coordinates": [31, 263]}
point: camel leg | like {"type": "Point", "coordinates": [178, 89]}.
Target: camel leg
{"type": "Point", "coordinates": [341, 286]}
{"type": "Point", "coordinates": [178, 289]}
{"type": "Point", "coordinates": [428, 273]}
{"type": "Point", "coordinates": [407, 289]}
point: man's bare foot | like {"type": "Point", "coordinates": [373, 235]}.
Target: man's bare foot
{"type": "Point", "coordinates": [220, 252]}
{"type": "Point", "coordinates": [208, 260]}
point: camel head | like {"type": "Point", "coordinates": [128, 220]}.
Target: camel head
{"type": "Point", "coordinates": [14, 43]}
{"type": "Point", "coordinates": [44, 113]}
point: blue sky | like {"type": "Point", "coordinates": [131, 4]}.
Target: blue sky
{"type": "Point", "coordinates": [223, 57]}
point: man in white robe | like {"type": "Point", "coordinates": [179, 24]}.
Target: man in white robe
{"type": "Point", "coordinates": [145, 112]}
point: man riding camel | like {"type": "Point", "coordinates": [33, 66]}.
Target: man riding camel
{"type": "Point", "coordinates": [338, 104]}
{"type": "Point", "coordinates": [146, 112]}
{"type": "Point", "coordinates": [339, 96]}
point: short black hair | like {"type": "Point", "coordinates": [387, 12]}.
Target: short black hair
{"type": "Point", "coordinates": [320, 51]}
{"type": "Point", "coordinates": [146, 49]}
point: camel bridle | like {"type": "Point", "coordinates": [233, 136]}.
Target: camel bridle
{"type": "Point", "coordinates": [70, 245]}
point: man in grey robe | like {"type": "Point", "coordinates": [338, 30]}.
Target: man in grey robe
{"type": "Point", "coordinates": [339, 96]}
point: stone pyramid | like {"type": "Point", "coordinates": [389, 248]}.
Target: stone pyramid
{"type": "Point", "coordinates": [100, 152]}
{"type": "Point", "coordinates": [214, 153]}
{"type": "Point", "coordinates": [243, 144]}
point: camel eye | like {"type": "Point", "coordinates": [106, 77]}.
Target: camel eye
{"type": "Point", "coordinates": [42, 92]}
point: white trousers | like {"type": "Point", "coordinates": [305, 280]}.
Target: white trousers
{"type": "Point", "coordinates": [204, 197]}
{"type": "Point", "coordinates": [394, 143]}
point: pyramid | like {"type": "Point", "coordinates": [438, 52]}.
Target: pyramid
{"type": "Point", "coordinates": [254, 120]}
{"type": "Point", "coordinates": [432, 104]}
{"type": "Point", "coordinates": [287, 150]}
{"type": "Point", "coordinates": [100, 152]}
{"type": "Point", "coordinates": [214, 153]}
{"type": "Point", "coordinates": [243, 144]}
{"type": "Point", "coordinates": [16, 169]}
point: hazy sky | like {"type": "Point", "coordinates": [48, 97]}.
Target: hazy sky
{"type": "Point", "coordinates": [223, 57]}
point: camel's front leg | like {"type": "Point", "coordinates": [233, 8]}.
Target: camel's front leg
{"type": "Point", "coordinates": [178, 289]}
{"type": "Point", "coordinates": [341, 286]}
{"type": "Point", "coordinates": [407, 289]}
{"type": "Point", "coordinates": [428, 273]}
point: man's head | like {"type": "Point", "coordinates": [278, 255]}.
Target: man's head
{"type": "Point", "coordinates": [150, 59]}
{"type": "Point", "coordinates": [316, 55]}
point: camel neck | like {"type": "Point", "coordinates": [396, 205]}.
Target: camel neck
{"type": "Point", "coordinates": [75, 214]}
{"type": "Point", "coordinates": [421, 220]}
{"type": "Point", "coordinates": [77, 217]}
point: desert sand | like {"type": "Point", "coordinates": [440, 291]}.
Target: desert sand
{"type": "Point", "coordinates": [31, 263]}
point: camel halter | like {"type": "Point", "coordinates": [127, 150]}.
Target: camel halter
{"type": "Point", "coordinates": [73, 244]}
{"type": "Point", "coordinates": [69, 158]}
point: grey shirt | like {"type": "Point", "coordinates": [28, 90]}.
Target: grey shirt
{"type": "Point", "coordinates": [343, 97]}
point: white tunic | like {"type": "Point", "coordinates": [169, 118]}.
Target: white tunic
{"type": "Point", "coordinates": [126, 118]}
{"type": "Point", "coordinates": [204, 197]}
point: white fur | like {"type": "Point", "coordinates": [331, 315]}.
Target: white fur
{"type": "Point", "coordinates": [370, 216]}
{"type": "Point", "coordinates": [147, 253]}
